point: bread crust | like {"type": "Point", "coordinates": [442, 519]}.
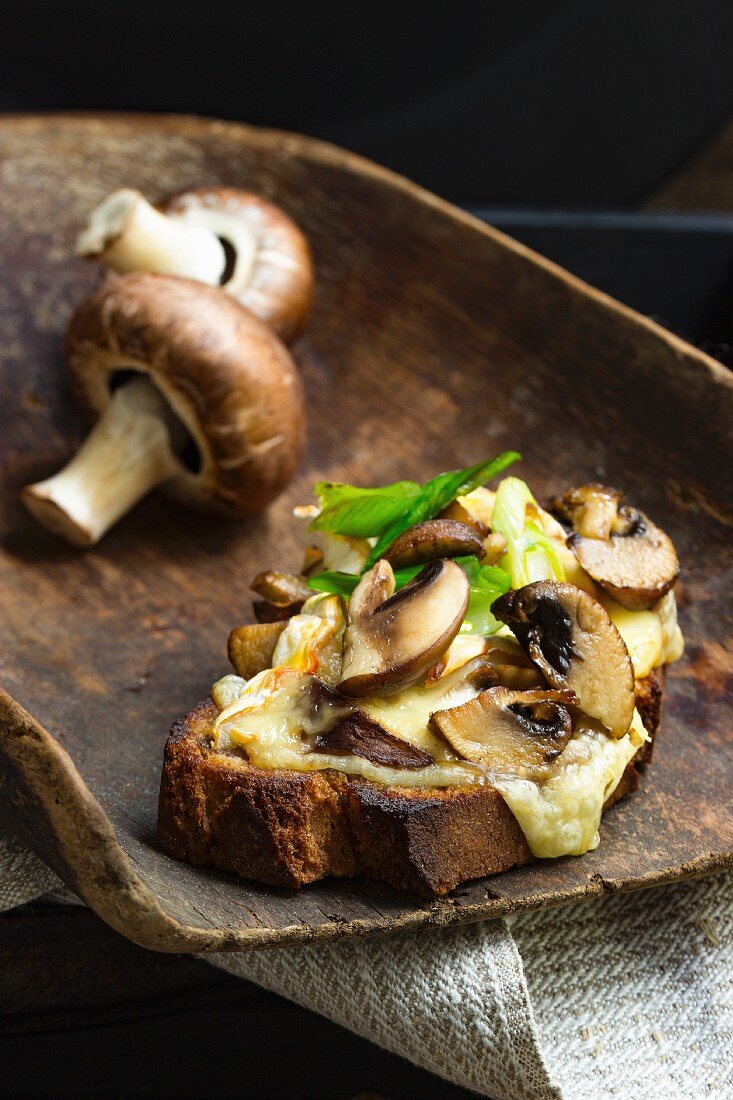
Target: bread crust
{"type": "Point", "coordinates": [289, 828]}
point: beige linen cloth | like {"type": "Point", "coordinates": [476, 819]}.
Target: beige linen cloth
{"type": "Point", "coordinates": [629, 996]}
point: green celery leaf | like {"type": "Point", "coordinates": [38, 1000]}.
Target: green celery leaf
{"type": "Point", "coordinates": [436, 495]}
{"type": "Point", "coordinates": [487, 582]}
{"type": "Point", "coordinates": [331, 580]}
{"type": "Point", "coordinates": [531, 555]}
{"type": "Point", "coordinates": [361, 513]}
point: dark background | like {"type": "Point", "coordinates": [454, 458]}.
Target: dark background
{"type": "Point", "coordinates": [524, 102]}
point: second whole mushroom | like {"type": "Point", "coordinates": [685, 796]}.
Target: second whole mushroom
{"type": "Point", "coordinates": [189, 390]}
{"type": "Point", "coordinates": [221, 236]}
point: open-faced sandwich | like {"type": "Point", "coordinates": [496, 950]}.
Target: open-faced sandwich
{"type": "Point", "coordinates": [458, 681]}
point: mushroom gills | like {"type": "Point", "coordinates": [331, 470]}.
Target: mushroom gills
{"type": "Point", "coordinates": [132, 448]}
{"type": "Point", "coordinates": [391, 640]}
{"type": "Point", "coordinates": [571, 639]}
{"type": "Point", "coordinates": [509, 732]}
{"type": "Point", "coordinates": [128, 234]}
{"type": "Point", "coordinates": [232, 233]}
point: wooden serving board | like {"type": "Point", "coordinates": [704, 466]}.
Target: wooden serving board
{"type": "Point", "coordinates": [434, 342]}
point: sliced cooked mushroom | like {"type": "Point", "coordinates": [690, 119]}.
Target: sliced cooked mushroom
{"type": "Point", "coordinates": [619, 547]}
{"type": "Point", "coordinates": [637, 565]}
{"type": "Point", "coordinates": [220, 236]}
{"type": "Point", "coordinates": [572, 640]}
{"type": "Point", "coordinates": [215, 409]}
{"type": "Point", "coordinates": [435, 538]}
{"type": "Point", "coordinates": [359, 734]}
{"type": "Point", "coordinates": [284, 595]}
{"type": "Point", "coordinates": [589, 509]}
{"type": "Point", "coordinates": [392, 640]}
{"type": "Point", "coordinates": [250, 648]}
{"type": "Point", "coordinates": [455, 510]}
{"type": "Point", "coordinates": [514, 732]}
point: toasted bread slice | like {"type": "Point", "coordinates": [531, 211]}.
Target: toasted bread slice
{"type": "Point", "coordinates": [290, 828]}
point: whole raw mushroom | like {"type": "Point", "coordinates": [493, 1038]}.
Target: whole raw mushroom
{"type": "Point", "coordinates": [219, 235]}
{"type": "Point", "coordinates": [189, 390]}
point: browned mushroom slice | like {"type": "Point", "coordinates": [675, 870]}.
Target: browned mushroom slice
{"type": "Point", "coordinates": [509, 732]}
{"type": "Point", "coordinates": [619, 547]}
{"type": "Point", "coordinates": [513, 667]}
{"type": "Point", "coordinates": [637, 564]}
{"type": "Point", "coordinates": [250, 648]}
{"type": "Point", "coordinates": [589, 509]}
{"type": "Point", "coordinates": [392, 640]}
{"type": "Point", "coordinates": [435, 538]}
{"type": "Point", "coordinates": [456, 511]}
{"type": "Point", "coordinates": [359, 734]}
{"type": "Point", "coordinates": [572, 640]}
{"type": "Point", "coordinates": [189, 390]}
{"type": "Point", "coordinates": [284, 595]}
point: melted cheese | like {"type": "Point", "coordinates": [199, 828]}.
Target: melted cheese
{"type": "Point", "coordinates": [274, 722]}
{"type": "Point", "coordinates": [652, 637]}
{"type": "Point", "coordinates": [561, 815]}
{"type": "Point", "coordinates": [270, 719]}
{"type": "Point", "coordinates": [312, 641]}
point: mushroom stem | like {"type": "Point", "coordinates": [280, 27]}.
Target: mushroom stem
{"type": "Point", "coordinates": [128, 234]}
{"type": "Point", "coordinates": [128, 453]}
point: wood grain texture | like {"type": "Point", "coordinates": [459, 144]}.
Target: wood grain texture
{"type": "Point", "coordinates": [434, 342]}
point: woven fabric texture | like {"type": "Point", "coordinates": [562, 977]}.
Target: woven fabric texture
{"type": "Point", "coordinates": [627, 997]}
{"type": "Point", "coordinates": [633, 993]}
{"type": "Point", "coordinates": [453, 1001]}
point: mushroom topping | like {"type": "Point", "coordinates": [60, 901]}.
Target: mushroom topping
{"type": "Point", "coordinates": [250, 648]}
{"type": "Point", "coordinates": [359, 734]}
{"type": "Point", "coordinates": [214, 410]}
{"type": "Point", "coordinates": [393, 639]}
{"type": "Point", "coordinates": [284, 595]}
{"type": "Point", "coordinates": [510, 732]}
{"type": "Point", "coordinates": [572, 640]}
{"type": "Point", "coordinates": [435, 538]}
{"type": "Point", "coordinates": [590, 509]}
{"type": "Point", "coordinates": [220, 236]}
{"type": "Point", "coordinates": [455, 510]}
{"type": "Point", "coordinates": [619, 547]}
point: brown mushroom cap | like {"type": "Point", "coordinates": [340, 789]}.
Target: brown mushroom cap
{"type": "Point", "coordinates": [588, 509]}
{"type": "Point", "coordinates": [391, 640]}
{"type": "Point", "coordinates": [276, 283]}
{"type": "Point", "coordinates": [618, 546]}
{"type": "Point", "coordinates": [572, 640]}
{"type": "Point", "coordinates": [509, 732]}
{"type": "Point", "coordinates": [250, 648]}
{"type": "Point", "coordinates": [435, 538]}
{"type": "Point", "coordinates": [637, 565]}
{"type": "Point", "coordinates": [227, 377]}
